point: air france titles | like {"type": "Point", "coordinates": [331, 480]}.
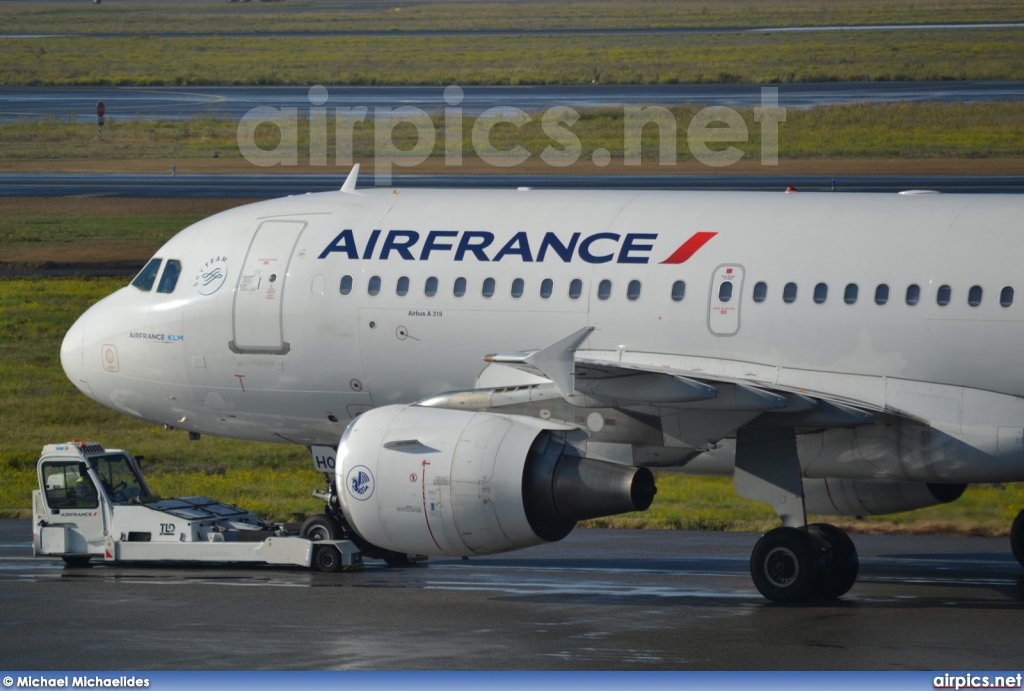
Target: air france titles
{"type": "Point", "coordinates": [411, 245]}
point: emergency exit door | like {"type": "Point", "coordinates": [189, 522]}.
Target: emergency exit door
{"type": "Point", "coordinates": [259, 294]}
{"type": "Point", "coordinates": [724, 300]}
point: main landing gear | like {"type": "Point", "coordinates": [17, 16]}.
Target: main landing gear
{"type": "Point", "coordinates": [1017, 537]}
{"type": "Point", "coordinates": [798, 562]}
{"type": "Point", "coordinates": [792, 565]}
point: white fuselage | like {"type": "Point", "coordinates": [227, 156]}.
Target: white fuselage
{"type": "Point", "coordinates": [258, 341]}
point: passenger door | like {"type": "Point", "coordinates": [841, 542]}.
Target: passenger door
{"type": "Point", "coordinates": [724, 300]}
{"type": "Point", "coordinates": [259, 293]}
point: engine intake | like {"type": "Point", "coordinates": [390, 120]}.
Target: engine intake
{"type": "Point", "coordinates": [440, 481]}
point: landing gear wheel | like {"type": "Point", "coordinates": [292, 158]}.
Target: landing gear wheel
{"type": "Point", "coordinates": [788, 565]}
{"type": "Point", "coordinates": [1017, 537]}
{"type": "Point", "coordinates": [844, 564]}
{"type": "Point", "coordinates": [76, 562]}
{"type": "Point", "coordinates": [328, 559]}
{"type": "Point", "coordinates": [320, 527]}
{"type": "Point", "coordinates": [396, 558]}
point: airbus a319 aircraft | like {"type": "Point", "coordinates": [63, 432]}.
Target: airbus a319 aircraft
{"type": "Point", "coordinates": [500, 365]}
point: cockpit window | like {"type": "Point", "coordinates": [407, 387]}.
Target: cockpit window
{"type": "Point", "coordinates": [170, 277]}
{"type": "Point", "coordinates": [144, 281]}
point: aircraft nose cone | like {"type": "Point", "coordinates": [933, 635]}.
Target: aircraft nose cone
{"type": "Point", "coordinates": [71, 356]}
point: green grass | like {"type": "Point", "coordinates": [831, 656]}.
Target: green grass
{"type": "Point", "coordinates": [904, 130]}
{"type": "Point", "coordinates": [610, 59]}
{"type": "Point", "coordinates": [297, 15]}
{"type": "Point", "coordinates": [38, 405]}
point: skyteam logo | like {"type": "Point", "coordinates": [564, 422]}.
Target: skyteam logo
{"type": "Point", "coordinates": [360, 483]}
{"type": "Point", "coordinates": [211, 276]}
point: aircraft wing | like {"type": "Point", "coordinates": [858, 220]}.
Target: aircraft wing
{"type": "Point", "coordinates": [662, 400]}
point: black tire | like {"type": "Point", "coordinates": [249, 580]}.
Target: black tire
{"type": "Point", "coordinates": [844, 565]}
{"type": "Point", "coordinates": [396, 558]}
{"type": "Point", "coordinates": [788, 565]}
{"type": "Point", "coordinates": [320, 527]}
{"type": "Point", "coordinates": [1017, 537]}
{"type": "Point", "coordinates": [76, 562]}
{"type": "Point", "coordinates": [328, 559]}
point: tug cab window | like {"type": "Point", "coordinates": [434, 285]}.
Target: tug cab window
{"type": "Point", "coordinates": [169, 279]}
{"type": "Point", "coordinates": [118, 477]}
{"type": "Point", "coordinates": [147, 277]}
{"type": "Point", "coordinates": [68, 486]}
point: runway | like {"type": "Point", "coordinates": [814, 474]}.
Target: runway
{"type": "Point", "coordinates": [601, 599]}
{"type": "Point", "coordinates": [168, 103]}
{"type": "Point", "coordinates": [495, 33]}
{"type": "Point", "coordinates": [264, 186]}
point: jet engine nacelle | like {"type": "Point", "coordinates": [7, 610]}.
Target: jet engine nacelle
{"type": "Point", "coordinates": [448, 482]}
{"type": "Point", "coordinates": [863, 498]}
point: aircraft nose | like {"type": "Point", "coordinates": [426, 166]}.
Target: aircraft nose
{"type": "Point", "coordinates": [71, 358]}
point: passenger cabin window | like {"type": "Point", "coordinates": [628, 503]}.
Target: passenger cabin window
{"type": "Point", "coordinates": [346, 285]}
{"type": "Point", "coordinates": [144, 281]}
{"type": "Point", "coordinates": [942, 297]}
{"type": "Point", "coordinates": [488, 289]}
{"type": "Point", "coordinates": [850, 294]}
{"type": "Point", "coordinates": [974, 296]}
{"type": "Point", "coordinates": [575, 289]}
{"type": "Point", "coordinates": [881, 294]}
{"type": "Point", "coordinates": [460, 287]}
{"type": "Point", "coordinates": [604, 289]}
{"type": "Point", "coordinates": [789, 293]}
{"type": "Point", "coordinates": [760, 291]}
{"type": "Point", "coordinates": [913, 294]}
{"type": "Point", "coordinates": [820, 293]}
{"type": "Point", "coordinates": [430, 287]}
{"type": "Point", "coordinates": [374, 286]}
{"type": "Point", "coordinates": [547, 286]}
{"type": "Point", "coordinates": [725, 292]}
{"type": "Point", "coordinates": [633, 291]}
{"type": "Point", "coordinates": [170, 277]}
{"type": "Point", "coordinates": [678, 291]}
{"type": "Point", "coordinates": [518, 286]}
{"type": "Point", "coordinates": [403, 286]}
{"type": "Point", "coordinates": [1006, 296]}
